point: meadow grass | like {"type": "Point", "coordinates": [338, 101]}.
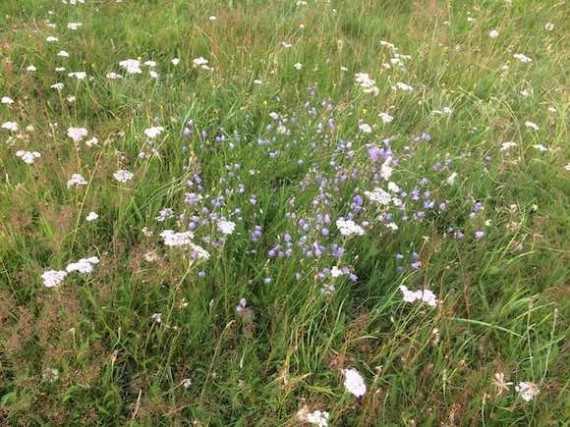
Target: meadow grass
{"type": "Point", "coordinates": [457, 192]}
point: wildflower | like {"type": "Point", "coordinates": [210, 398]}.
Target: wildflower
{"type": "Point", "coordinates": [91, 216]}
{"type": "Point", "coordinates": [11, 126]}
{"type": "Point", "coordinates": [540, 147]}
{"type": "Point", "coordinates": [84, 265]}
{"type": "Point", "coordinates": [549, 26]}
{"type": "Point", "coordinates": [479, 234]}
{"type": "Point", "coordinates": [79, 75]}
{"type": "Point", "coordinates": [531, 125]}
{"type": "Point", "coordinates": [113, 76]}
{"type": "Point", "coordinates": [131, 66]}
{"type": "Point", "coordinates": [28, 156]}
{"type": "Point", "coordinates": [404, 86]}
{"type": "Point", "coordinates": [156, 317]}
{"type": "Point", "coordinates": [186, 383]}
{"type": "Point", "coordinates": [226, 227]}
{"type": "Point", "coordinates": [318, 418]}
{"type": "Point", "coordinates": [77, 134]}
{"type": "Point", "coordinates": [364, 127]}
{"type": "Point", "coordinates": [212, 18]}
{"type": "Point", "coordinates": [51, 39]}
{"type": "Point", "coordinates": [175, 61]}
{"type": "Point", "coordinates": [177, 239]}
{"type": "Point", "coordinates": [354, 382]}
{"type": "Point", "coordinates": [76, 180]}
{"type": "Point", "coordinates": [31, 69]}
{"type": "Point", "coordinates": [91, 142]}
{"type": "Point", "coordinates": [425, 295]}
{"type": "Point", "coordinates": [154, 131]}
{"type": "Point", "coordinates": [50, 375]}
{"type": "Point", "coordinates": [522, 58]}
{"type": "Point", "coordinates": [200, 62]}
{"type": "Point", "coordinates": [500, 384]}
{"type": "Point", "coordinates": [53, 278]}
{"type": "Point", "coordinates": [63, 54]}
{"type": "Point", "coordinates": [493, 34]}
{"type": "Point", "coordinates": [567, 167]}
{"type": "Point", "coordinates": [57, 86]}
{"type": "Point", "coordinates": [74, 26]}
{"type": "Point", "coordinates": [506, 145]}
{"type": "Point", "coordinates": [153, 74]}
{"type": "Point", "coordinates": [379, 196]}
{"type": "Point", "coordinates": [385, 117]}
{"type": "Point", "coordinates": [150, 64]}
{"type": "Point", "coordinates": [298, 66]}
{"type": "Point", "coordinates": [7, 100]}
{"type": "Point", "coordinates": [367, 84]}
{"type": "Point", "coordinates": [527, 390]}
{"type": "Point", "coordinates": [349, 227]}
{"type": "Point", "coordinates": [123, 176]}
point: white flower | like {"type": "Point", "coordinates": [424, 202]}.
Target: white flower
{"type": "Point", "coordinates": [212, 18]}
{"type": "Point", "coordinates": [123, 176]}
{"type": "Point", "coordinates": [200, 62]}
{"type": "Point", "coordinates": [150, 64]}
{"type": "Point", "coordinates": [336, 272]}
{"type": "Point", "coordinates": [74, 25]}
{"type": "Point", "coordinates": [393, 187]}
{"type": "Point", "coordinates": [567, 167]}
{"type": "Point", "coordinates": [379, 196]}
{"type": "Point", "coordinates": [75, 180]}
{"type": "Point", "coordinates": [493, 34]}
{"type": "Point", "coordinates": [549, 26]}
{"type": "Point", "coordinates": [31, 69]}
{"type": "Point", "coordinates": [50, 375]}
{"type": "Point", "coordinates": [522, 58]}
{"type": "Point", "coordinates": [91, 142]}
{"type": "Point", "coordinates": [298, 66]}
{"type": "Point", "coordinates": [527, 390]}
{"type": "Point", "coordinates": [57, 86]}
{"type": "Point", "coordinates": [53, 278]}
{"type": "Point", "coordinates": [154, 131]}
{"type": "Point", "coordinates": [7, 100]}
{"type": "Point", "coordinates": [11, 126]}
{"type": "Point", "coordinates": [186, 383]}
{"type": "Point", "coordinates": [63, 54]}
{"type": "Point", "coordinates": [28, 156]}
{"type": "Point", "coordinates": [226, 227]}
{"type": "Point", "coordinates": [540, 147]}
{"type": "Point", "coordinates": [367, 84]}
{"type": "Point", "coordinates": [365, 127]}
{"type": "Point", "coordinates": [84, 265]}
{"type": "Point", "coordinates": [177, 239]}
{"type": "Point", "coordinates": [404, 86]}
{"type": "Point", "coordinates": [354, 382]}
{"type": "Point", "coordinates": [349, 227]}
{"type": "Point", "coordinates": [131, 66]}
{"type": "Point", "coordinates": [153, 74]}
{"type": "Point", "coordinates": [531, 125]}
{"type": "Point", "coordinates": [385, 117]}
{"type": "Point", "coordinates": [318, 418]}
{"type": "Point", "coordinates": [77, 134]}
{"type": "Point", "coordinates": [175, 61]}
{"type": "Point", "coordinates": [198, 252]}
{"type": "Point", "coordinates": [91, 216]}
{"type": "Point", "coordinates": [507, 145]}
{"type": "Point", "coordinates": [113, 76]}
{"type": "Point", "coordinates": [156, 317]}
{"type": "Point", "coordinates": [51, 39]}
{"type": "Point", "coordinates": [60, 70]}
{"type": "Point", "coordinates": [425, 295]}
{"type": "Point", "coordinates": [79, 75]}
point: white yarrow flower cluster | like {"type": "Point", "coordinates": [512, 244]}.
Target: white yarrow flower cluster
{"type": "Point", "coordinates": [527, 390]}
{"type": "Point", "coordinates": [131, 66]}
{"type": "Point", "coordinates": [367, 84]}
{"type": "Point", "coordinates": [425, 295]}
{"type": "Point", "coordinates": [76, 180]}
{"type": "Point", "coordinates": [200, 62]}
{"type": "Point", "coordinates": [11, 126]}
{"type": "Point", "coordinates": [379, 196]}
{"type": "Point", "coordinates": [174, 239]}
{"type": "Point", "coordinates": [84, 265]}
{"type": "Point", "coordinates": [53, 278]}
{"type": "Point", "coordinates": [28, 156]}
{"type": "Point", "coordinates": [77, 134]}
{"type": "Point", "coordinates": [349, 227]}
{"type": "Point", "coordinates": [7, 100]}
{"type": "Point", "coordinates": [91, 216]}
{"type": "Point", "coordinates": [316, 418]}
{"type": "Point", "coordinates": [153, 132]}
{"type": "Point", "coordinates": [226, 227]}
{"type": "Point", "coordinates": [522, 58]}
{"type": "Point", "coordinates": [354, 382]}
{"type": "Point", "coordinates": [123, 176]}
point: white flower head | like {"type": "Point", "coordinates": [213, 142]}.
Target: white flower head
{"type": "Point", "coordinates": [354, 382]}
{"type": "Point", "coordinates": [531, 125]}
{"type": "Point", "coordinates": [349, 227]}
{"type": "Point", "coordinates": [84, 265]}
{"type": "Point", "coordinates": [53, 278]}
{"type": "Point", "coordinates": [177, 239]}
{"type": "Point", "coordinates": [77, 134]}
{"type": "Point", "coordinates": [11, 126]}
{"type": "Point", "coordinates": [7, 100]}
{"type": "Point", "coordinates": [76, 180]}
{"type": "Point", "coordinates": [200, 62]}
{"type": "Point", "coordinates": [91, 216]}
{"type": "Point", "coordinates": [28, 156]}
{"type": "Point", "coordinates": [316, 418]}
{"type": "Point", "coordinates": [522, 58]}
{"type": "Point", "coordinates": [494, 34]}
{"type": "Point", "coordinates": [226, 227]}
{"type": "Point", "coordinates": [367, 84]}
{"type": "Point", "coordinates": [123, 176]}
{"type": "Point", "coordinates": [131, 66]}
{"type": "Point", "coordinates": [403, 86]}
{"type": "Point", "coordinates": [385, 117]}
{"type": "Point", "coordinates": [153, 132]}
{"type": "Point", "coordinates": [379, 196]}
{"type": "Point", "coordinates": [425, 295]}
{"type": "Point", "coordinates": [175, 61]}
{"type": "Point", "coordinates": [79, 75]}
{"type": "Point", "coordinates": [74, 26]}
{"type": "Point", "coordinates": [527, 390]}
{"type": "Point", "coordinates": [298, 66]}
{"type": "Point", "coordinates": [365, 128]}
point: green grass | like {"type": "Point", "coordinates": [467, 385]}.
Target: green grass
{"type": "Point", "coordinates": [502, 299]}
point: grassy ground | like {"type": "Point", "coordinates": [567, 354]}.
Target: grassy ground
{"type": "Point", "coordinates": [275, 136]}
